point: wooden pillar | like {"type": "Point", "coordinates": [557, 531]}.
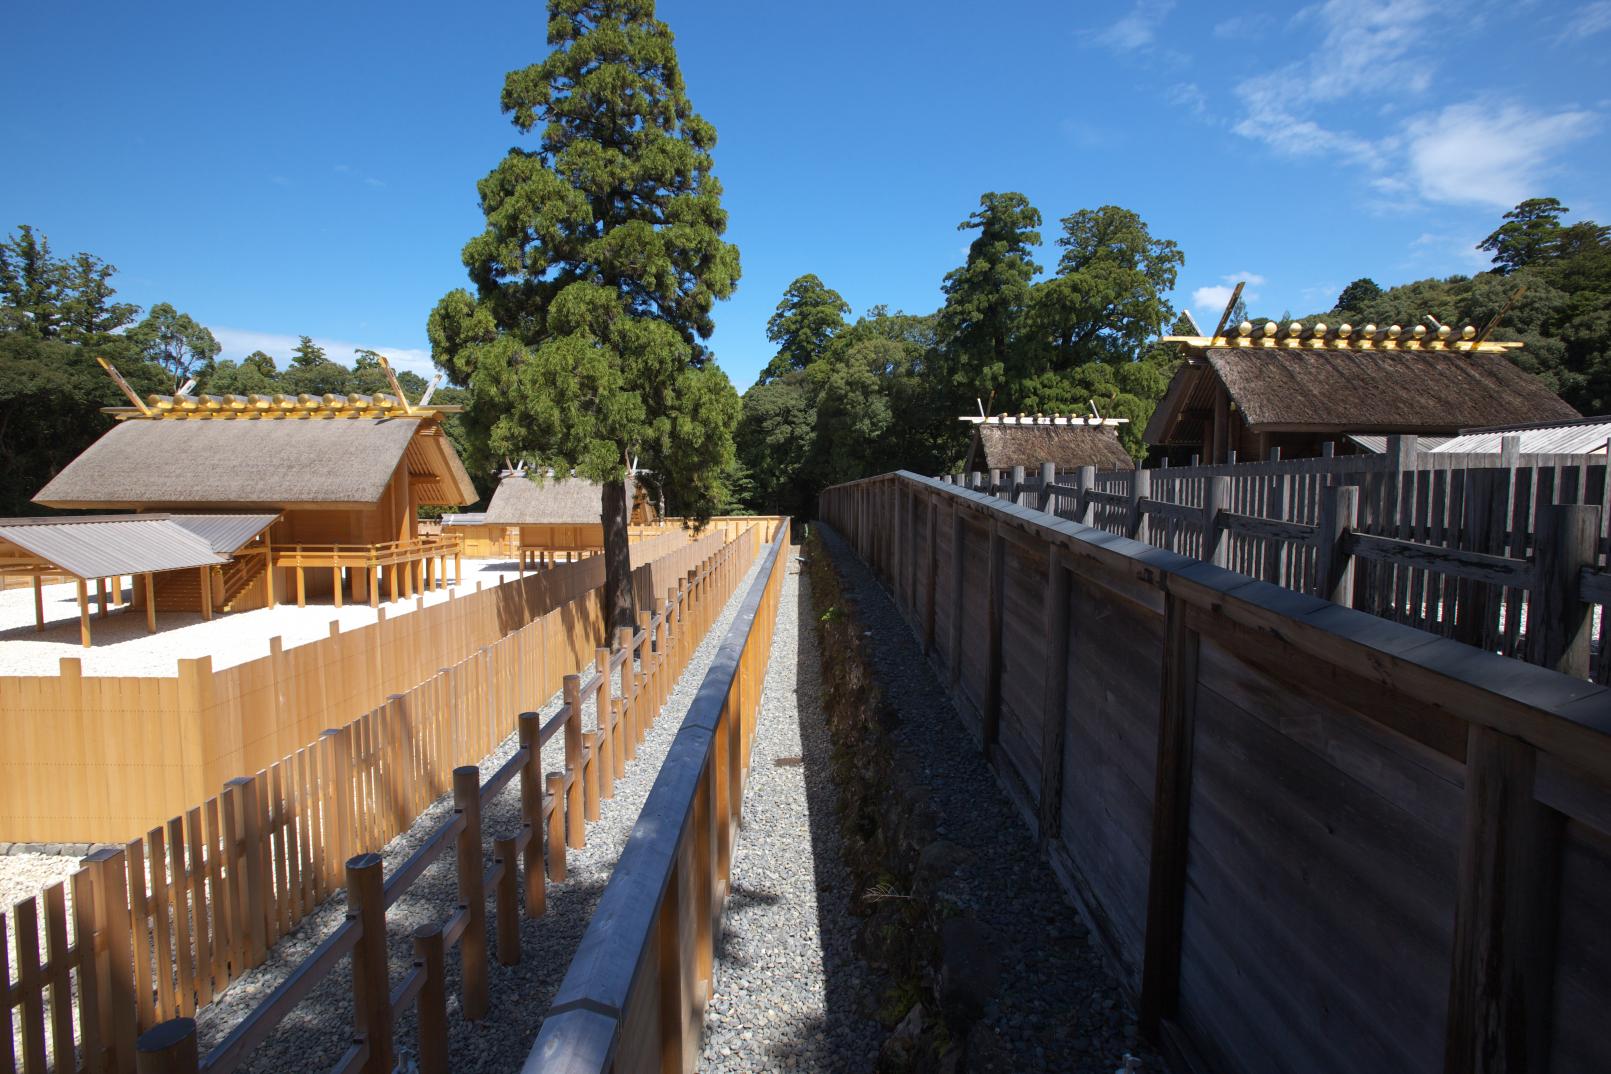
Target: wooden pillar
{"type": "Point", "coordinates": [366, 901]}
{"type": "Point", "coordinates": [1048, 478]}
{"type": "Point", "coordinates": [1140, 491]}
{"type": "Point", "coordinates": [150, 602]}
{"type": "Point", "coordinates": [1166, 878]}
{"type": "Point", "coordinates": [268, 568]}
{"type": "Point", "coordinates": [39, 603]}
{"type": "Point", "coordinates": [1560, 622]}
{"type": "Point", "coordinates": [100, 598]}
{"type": "Point", "coordinates": [995, 610]}
{"type": "Point", "coordinates": [335, 584]}
{"type": "Point", "coordinates": [1334, 566]}
{"type": "Point", "coordinates": [1501, 981]}
{"type": "Point", "coordinates": [1085, 511]}
{"type": "Point", "coordinates": [83, 613]}
{"type": "Point", "coordinates": [473, 943]}
{"type": "Point", "coordinates": [1056, 621]}
{"type": "Point", "coordinates": [301, 588]}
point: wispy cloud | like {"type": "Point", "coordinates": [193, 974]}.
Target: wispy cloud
{"type": "Point", "coordinates": [1211, 300]}
{"type": "Point", "coordinates": [1136, 30]}
{"type": "Point", "coordinates": [1190, 96]}
{"type": "Point", "coordinates": [1586, 21]}
{"type": "Point", "coordinates": [1481, 153]}
{"type": "Point", "coordinates": [237, 343]}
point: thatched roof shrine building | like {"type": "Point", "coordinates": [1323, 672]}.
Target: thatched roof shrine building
{"type": "Point", "coordinates": [558, 515]}
{"type": "Point", "coordinates": [1069, 441]}
{"type": "Point", "coordinates": [1295, 387]}
{"type": "Point", "coordinates": [343, 477]}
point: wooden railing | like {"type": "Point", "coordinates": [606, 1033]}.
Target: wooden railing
{"type": "Point", "coordinates": [163, 925]}
{"type": "Point", "coordinates": [1448, 544]}
{"type": "Point", "coordinates": [1309, 838]}
{"type": "Point", "coordinates": [634, 996]}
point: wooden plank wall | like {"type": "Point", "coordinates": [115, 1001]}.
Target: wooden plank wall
{"type": "Point", "coordinates": [98, 759]}
{"type": "Point", "coordinates": [1311, 839]}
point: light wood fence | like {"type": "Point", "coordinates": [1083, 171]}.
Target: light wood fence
{"type": "Point", "coordinates": [1464, 546]}
{"type": "Point", "coordinates": [1312, 839]}
{"type": "Point", "coordinates": [97, 759]}
{"type": "Point", "coordinates": [157, 929]}
{"type": "Point", "coordinates": [634, 996]}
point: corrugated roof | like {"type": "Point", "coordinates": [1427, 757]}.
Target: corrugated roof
{"type": "Point", "coordinates": [225, 533]}
{"type": "Point", "coordinates": [470, 518]}
{"type": "Point", "coordinates": [248, 463]}
{"type": "Point", "coordinates": [100, 547]}
{"type": "Point", "coordinates": [1567, 438]}
{"type": "Point", "coordinates": [1376, 443]}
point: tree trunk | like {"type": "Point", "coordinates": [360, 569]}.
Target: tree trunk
{"type": "Point", "coordinates": [619, 608]}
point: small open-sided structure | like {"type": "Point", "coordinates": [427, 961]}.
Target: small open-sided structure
{"type": "Point", "coordinates": [343, 476]}
{"type": "Point", "coordinates": [1067, 440]}
{"type": "Point", "coordinates": [182, 551]}
{"type": "Point", "coordinates": [558, 516]}
{"type": "Point", "coordinates": [1297, 386]}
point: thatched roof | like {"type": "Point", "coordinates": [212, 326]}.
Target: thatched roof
{"type": "Point", "coordinates": [524, 499]}
{"type": "Point", "coordinates": [1280, 389]}
{"type": "Point", "coordinates": [307, 463]}
{"type": "Point", "coordinates": [1001, 447]}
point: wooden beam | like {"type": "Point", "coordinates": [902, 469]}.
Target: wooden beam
{"type": "Point", "coordinates": [995, 610]}
{"type": "Point", "coordinates": [39, 604]}
{"type": "Point", "coordinates": [1166, 878]}
{"type": "Point", "coordinates": [150, 602]}
{"type": "Point", "coordinates": [1055, 625]}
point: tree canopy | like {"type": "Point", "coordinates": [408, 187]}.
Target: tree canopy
{"type": "Point", "coordinates": [583, 343]}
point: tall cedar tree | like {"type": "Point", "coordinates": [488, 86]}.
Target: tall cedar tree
{"type": "Point", "coordinates": [583, 345]}
{"type": "Point", "coordinates": [985, 299]}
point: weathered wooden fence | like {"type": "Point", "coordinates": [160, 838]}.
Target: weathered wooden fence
{"type": "Point", "coordinates": [98, 759]}
{"type": "Point", "coordinates": [634, 996]}
{"type": "Point", "coordinates": [157, 929]}
{"type": "Point", "coordinates": [1463, 546]}
{"type": "Point", "coordinates": [1311, 839]}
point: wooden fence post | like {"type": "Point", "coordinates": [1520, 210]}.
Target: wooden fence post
{"type": "Point", "coordinates": [556, 827]}
{"type": "Point", "coordinates": [473, 944]}
{"type": "Point", "coordinates": [1048, 478]}
{"type": "Point", "coordinates": [1085, 507]}
{"type": "Point", "coordinates": [1559, 623]}
{"type": "Point", "coordinates": [1055, 623]}
{"type": "Point", "coordinates": [1334, 565]}
{"type": "Point", "coordinates": [507, 862]}
{"type": "Point", "coordinates": [575, 827]}
{"type": "Point", "coordinates": [531, 812]}
{"type": "Point", "coordinates": [431, 1007]}
{"type": "Point", "coordinates": [954, 655]}
{"type": "Point", "coordinates": [1017, 482]}
{"type": "Point", "coordinates": [1216, 494]}
{"type": "Point", "coordinates": [119, 1026]}
{"type": "Point", "coordinates": [931, 575]}
{"type": "Point", "coordinates": [1503, 969]}
{"type": "Point", "coordinates": [994, 609]}
{"type": "Point", "coordinates": [1166, 878]}
{"type": "Point", "coordinates": [1140, 491]}
{"type": "Point", "coordinates": [254, 807]}
{"type": "Point", "coordinates": [372, 1000]}
{"type": "Point", "coordinates": [167, 1048]}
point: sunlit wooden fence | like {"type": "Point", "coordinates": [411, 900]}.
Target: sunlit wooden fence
{"type": "Point", "coordinates": [157, 929]}
{"type": "Point", "coordinates": [634, 996]}
{"type": "Point", "coordinates": [97, 759]}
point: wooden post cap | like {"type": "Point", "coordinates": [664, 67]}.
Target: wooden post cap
{"type": "Point", "coordinates": [363, 861]}
{"type": "Point", "coordinates": [167, 1048]}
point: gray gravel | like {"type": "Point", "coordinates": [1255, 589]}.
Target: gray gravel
{"type": "Point", "coordinates": [789, 989]}
{"type": "Point", "coordinates": [1057, 1008]}
{"type": "Point", "coordinates": [320, 1028]}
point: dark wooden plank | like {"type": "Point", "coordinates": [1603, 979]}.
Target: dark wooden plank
{"type": "Point", "coordinates": [1056, 624]}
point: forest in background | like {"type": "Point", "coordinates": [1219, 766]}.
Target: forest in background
{"type": "Point", "coordinates": [841, 398]}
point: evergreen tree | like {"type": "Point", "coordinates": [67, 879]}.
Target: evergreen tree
{"type": "Point", "coordinates": [1358, 295]}
{"type": "Point", "coordinates": [808, 319]}
{"type": "Point", "coordinates": [985, 299]}
{"type": "Point", "coordinates": [31, 284]}
{"type": "Point", "coordinates": [1529, 234]}
{"type": "Point", "coordinates": [583, 344]}
{"type": "Point", "coordinates": [176, 342]}
{"type": "Point", "coordinates": [306, 353]}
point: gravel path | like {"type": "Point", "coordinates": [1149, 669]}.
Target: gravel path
{"type": "Point", "coordinates": [789, 989]}
{"type": "Point", "coordinates": [1056, 1007]}
{"type": "Point", "coordinates": [319, 1029]}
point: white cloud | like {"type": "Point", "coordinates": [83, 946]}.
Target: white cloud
{"type": "Point", "coordinates": [1487, 154]}
{"type": "Point", "coordinates": [1211, 300]}
{"type": "Point", "coordinates": [1252, 279]}
{"type": "Point", "coordinates": [239, 342]}
{"type": "Point", "coordinates": [1587, 20]}
{"type": "Point", "coordinates": [1190, 96]}
{"type": "Point", "coordinates": [1138, 29]}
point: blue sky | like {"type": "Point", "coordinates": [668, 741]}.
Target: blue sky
{"type": "Point", "coordinates": [299, 168]}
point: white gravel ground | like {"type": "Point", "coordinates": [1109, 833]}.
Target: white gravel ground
{"type": "Point", "coordinates": [320, 1028]}
{"type": "Point", "coordinates": [790, 991]}
{"type": "Point", "coordinates": [122, 646]}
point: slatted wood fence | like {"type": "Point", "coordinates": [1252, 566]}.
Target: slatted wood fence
{"type": "Point", "coordinates": [100, 758]}
{"type": "Point", "coordinates": [1451, 544]}
{"type": "Point", "coordinates": [634, 996]}
{"type": "Point", "coordinates": [160, 927]}
{"type": "Point", "coordinates": [1311, 839]}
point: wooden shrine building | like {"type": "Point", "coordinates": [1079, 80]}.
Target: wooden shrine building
{"type": "Point", "coordinates": [558, 516]}
{"type": "Point", "coordinates": [1295, 387]}
{"type": "Point", "coordinates": [1068, 440]}
{"type": "Point", "coordinates": [341, 477]}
